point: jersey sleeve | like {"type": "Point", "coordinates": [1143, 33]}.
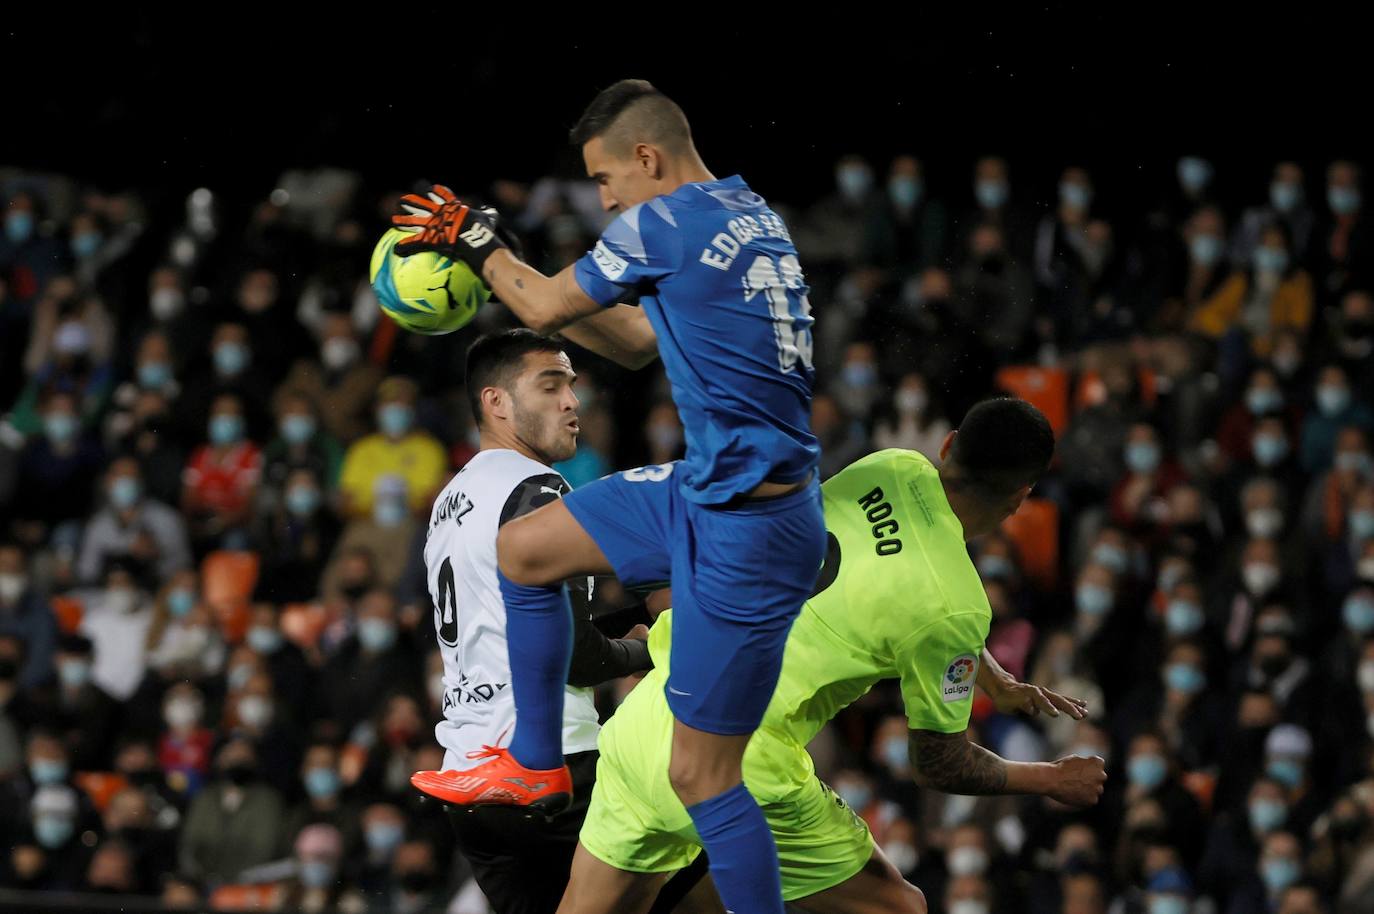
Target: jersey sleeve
{"type": "Point", "coordinates": [938, 665]}
{"type": "Point", "coordinates": [635, 252]}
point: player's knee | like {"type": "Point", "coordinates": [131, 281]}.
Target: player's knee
{"type": "Point", "coordinates": [695, 780]}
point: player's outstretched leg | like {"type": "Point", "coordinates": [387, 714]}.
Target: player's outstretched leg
{"type": "Point", "coordinates": [536, 553]}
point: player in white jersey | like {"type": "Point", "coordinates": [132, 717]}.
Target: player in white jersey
{"type": "Point", "coordinates": [520, 386]}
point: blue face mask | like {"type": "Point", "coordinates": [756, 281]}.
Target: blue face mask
{"type": "Point", "coordinates": [1343, 200]}
{"type": "Point", "coordinates": [1142, 456]}
{"type": "Point", "coordinates": [1269, 450]}
{"type": "Point", "coordinates": [1075, 195]}
{"type": "Point", "coordinates": [1286, 771]}
{"type": "Point", "coordinates": [1185, 678]}
{"type": "Point", "coordinates": [1354, 462]}
{"type": "Point", "coordinates": [1183, 617]}
{"type": "Point", "coordinates": [995, 567]}
{"type": "Point", "coordinates": [73, 673]}
{"type": "Point", "coordinates": [1194, 173]}
{"type": "Point", "coordinates": [376, 635]}
{"type": "Point", "coordinates": [48, 771]}
{"type": "Point", "coordinates": [1358, 614]}
{"type": "Point", "coordinates": [1170, 576]}
{"type": "Point", "coordinates": [1279, 873]}
{"type": "Point", "coordinates": [905, 192]}
{"type": "Point", "coordinates": [297, 428]}
{"type": "Point", "coordinates": [896, 754]}
{"type": "Point", "coordinates": [19, 226]}
{"type": "Point", "coordinates": [225, 429]}
{"type": "Point", "coordinates": [855, 796]}
{"type": "Point", "coordinates": [1362, 524]}
{"type": "Point", "coordinates": [860, 374]}
{"type": "Point", "coordinates": [1110, 556]}
{"type": "Point", "coordinates": [1263, 400]}
{"type": "Point", "coordinates": [316, 874]}
{"type": "Point", "coordinates": [86, 244]}
{"type": "Point", "coordinates": [125, 492]}
{"type": "Point", "coordinates": [302, 501]}
{"type": "Point", "coordinates": [154, 375]}
{"type": "Point", "coordinates": [389, 512]}
{"type": "Point", "coordinates": [1332, 399]}
{"type": "Point", "coordinates": [53, 831]}
{"type": "Point", "coordinates": [383, 837]}
{"type": "Point", "coordinates": [1205, 249]}
{"type": "Point", "coordinates": [394, 419]}
{"type": "Point", "coordinates": [1093, 599]}
{"type": "Point", "coordinates": [1167, 904]}
{"type": "Point", "coordinates": [230, 359]}
{"type": "Point", "coordinates": [264, 640]}
{"type": "Point", "coordinates": [1267, 815]}
{"type": "Point", "coordinates": [181, 601]}
{"type": "Point", "coordinates": [1147, 771]}
{"type": "Point", "coordinates": [1270, 260]}
{"type": "Point", "coordinates": [60, 427]}
{"type": "Point", "coordinates": [991, 194]}
{"type": "Point", "coordinates": [321, 783]}
{"type": "Point", "coordinates": [1284, 196]}
{"type": "Point", "coordinates": [853, 181]}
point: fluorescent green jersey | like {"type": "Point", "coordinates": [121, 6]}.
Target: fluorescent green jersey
{"type": "Point", "coordinates": [899, 598]}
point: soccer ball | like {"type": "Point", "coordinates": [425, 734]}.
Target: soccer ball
{"type": "Point", "coordinates": [425, 292]}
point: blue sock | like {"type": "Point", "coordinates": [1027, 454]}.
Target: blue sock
{"type": "Point", "coordinates": [539, 641]}
{"type": "Point", "coordinates": [744, 859]}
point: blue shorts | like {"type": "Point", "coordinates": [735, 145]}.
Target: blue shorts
{"type": "Point", "coordinates": [739, 577]}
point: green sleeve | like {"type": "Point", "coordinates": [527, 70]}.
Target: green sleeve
{"type": "Point", "coordinates": [938, 665]}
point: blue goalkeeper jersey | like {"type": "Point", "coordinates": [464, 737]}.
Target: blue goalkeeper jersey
{"type": "Point", "coordinates": [716, 273]}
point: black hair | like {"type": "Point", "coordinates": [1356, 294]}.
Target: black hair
{"type": "Point", "coordinates": [658, 117]}
{"type": "Point", "coordinates": [1003, 445]}
{"type": "Point", "coordinates": [494, 358]}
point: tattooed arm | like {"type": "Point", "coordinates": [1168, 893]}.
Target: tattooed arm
{"type": "Point", "coordinates": [950, 763]}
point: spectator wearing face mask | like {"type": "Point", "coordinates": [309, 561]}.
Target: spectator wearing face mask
{"type": "Point", "coordinates": [908, 231]}
{"type": "Point", "coordinates": [234, 823]}
{"type": "Point", "coordinates": [341, 383]}
{"type": "Point", "coordinates": [298, 533]}
{"type": "Point", "coordinates": [299, 444]}
{"type": "Point", "coordinates": [133, 524]}
{"type": "Point", "coordinates": [1349, 342]}
{"type": "Point", "coordinates": [1236, 836]}
{"type": "Point", "coordinates": [993, 203]}
{"type": "Point", "coordinates": [56, 822]}
{"type": "Point", "coordinates": [399, 448]}
{"type": "Point", "coordinates": [57, 470]}
{"type": "Point", "coordinates": [70, 349]}
{"type": "Point", "coordinates": [1138, 499]}
{"type": "Point", "coordinates": [1344, 243]}
{"type": "Point", "coordinates": [1072, 263]}
{"type": "Point", "coordinates": [81, 713]}
{"type": "Point", "coordinates": [995, 295]}
{"type": "Point", "coordinates": [909, 420]}
{"type": "Point", "coordinates": [184, 749]}
{"type": "Point", "coordinates": [368, 665]}
{"type": "Point", "coordinates": [1179, 706]}
{"type": "Point", "coordinates": [25, 614]}
{"type": "Point", "coordinates": [1285, 204]}
{"type": "Point", "coordinates": [221, 479]}
{"type": "Point", "coordinates": [256, 712]}
{"type": "Point", "coordinates": [1336, 409]}
{"type": "Point", "coordinates": [1263, 397]}
{"type": "Point", "coordinates": [230, 369]}
{"type": "Point", "coordinates": [117, 619]}
{"type": "Point", "coordinates": [323, 796]}
{"type": "Point", "coordinates": [833, 231]}
{"type": "Point", "coordinates": [386, 534]}
{"type": "Point", "coordinates": [1203, 271]}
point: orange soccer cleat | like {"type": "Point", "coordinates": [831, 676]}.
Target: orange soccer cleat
{"type": "Point", "coordinates": [501, 781]}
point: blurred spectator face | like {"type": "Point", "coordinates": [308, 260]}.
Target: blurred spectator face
{"type": "Point", "coordinates": [986, 243]}
{"type": "Point", "coordinates": [61, 423]}
{"type": "Point", "coordinates": [1090, 740]}
{"type": "Point", "coordinates": [413, 868]}
{"type": "Point", "coordinates": [1343, 188]}
{"type": "Point", "coordinates": [854, 788]}
{"type": "Point", "coordinates": [1360, 520]}
{"type": "Point", "coordinates": [338, 344]}
{"type": "Point", "coordinates": [1286, 751]}
{"type": "Point", "coordinates": [1262, 505]}
{"type": "Point", "coordinates": [112, 869]}
{"type": "Point", "coordinates": [182, 594]}
{"type": "Point", "coordinates": [967, 854]}
{"type": "Point", "coordinates": [990, 185]}
{"type": "Point", "coordinates": [128, 810]}
{"type": "Point", "coordinates": [1267, 807]}
{"type": "Point", "coordinates": [968, 895]}
{"type": "Point", "coordinates": [1286, 190]}
{"type": "Point", "coordinates": [226, 421]}
{"type": "Point", "coordinates": [1352, 454]}
{"type": "Point", "coordinates": [1112, 550]}
{"type": "Point", "coordinates": [230, 351]}
{"type": "Point", "coordinates": [384, 829]}
{"type": "Point", "coordinates": [890, 745]}
{"type": "Point", "coordinates": [20, 219]}
{"type": "Point", "coordinates": [255, 705]}
{"type": "Point", "coordinates": [86, 237]}
{"type": "Point", "coordinates": [1172, 570]}
{"type": "Point", "coordinates": [137, 762]}
{"type": "Point", "coordinates": [74, 663]}
{"type": "Point", "coordinates": [1083, 895]}
{"type": "Point", "coordinates": [178, 894]}
{"type": "Point", "coordinates": [1184, 670]}
{"type": "Point", "coordinates": [1184, 615]}
{"type": "Point", "coordinates": [1275, 619]}
{"type": "Point", "coordinates": [377, 622]}
{"type": "Point", "coordinates": [1194, 174]}
{"type": "Point", "coordinates": [1204, 234]}
{"type": "Point", "coordinates": [904, 184]}
{"type": "Point", "coordinates": [166, 298]}
{"type": "Point", "coordinates": [320, 772]}
{"type": "Point", "coordinates": [860, 368]}
{"type": "Point", "coordinates": [396, 408]}
{"type": "Point", "coordinates": [1271, 255]}
{"type": "Point", "coordinates": [663, 431]}
{"type": "Point", "coordinates": [1333, 391]}
{"type": "Point", "coordinates": [1147, 763]}
{"type": "Point", "coordinates": [1357, 322]}
{"type": "Point", "coordinates": [303, 496]}
{"type": "Point", "coordinates": [402, 722]}
{"type": "Point", "coordinates": [1075, 190]}
{"type": "Point", "coordinates": [1300, 899]}
{"type": "Point", "coordinates": [237, 763]}
{"type": "Point", "coordinates": [14, 578]}
{"type": "Point", "coordinates": [1287, 356]}
{"type": "Point", "coordinates": [124, 484]}
{"type": "Point", "coordinates": [1260, 570]}
{"type": "Point", "coordinates": [1269, 443]}
{"type": "Point", "coordinates": [47, 759]}
{"type": "Point", "coordinates": [258, 291]}
{"type": "Point", "coordinates": [853, 178]}
{"type": "Point", "coordinates": [912, 396]}
{"type": "Point", "coordinates": [996, 560]}
{"type": "Point", "coordinates": [1358, 611]}
{"type": "Point", "coordinates": [153, 365]}
{"type": "Point", "coordinates": [1280, 862]}
{"type": "Point", "coordinates": [1075, 847]}
{"type": "Point", "coordinates": [1095, 594]}
{"type": "Point", "coordinates": [1263, 397]}
{"type": "Point", "coordinates": [901, 846]}
{"type": "Point", "coordinates": [296, 423]}
{"type": "Point", "coordinates": [52, 814]}
{"type": "Point", "coordinates": [356, 573]}
{"type": "Point", "coordinates": [183, 708]}
{"type": "Point", "coordinates": [318, 851]}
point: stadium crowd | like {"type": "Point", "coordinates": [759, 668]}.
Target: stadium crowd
{"type": "Point", "coordinates": [217, 661]}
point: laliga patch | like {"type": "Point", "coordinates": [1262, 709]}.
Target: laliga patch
{"type": "Point", "coordinates": [957, 683]}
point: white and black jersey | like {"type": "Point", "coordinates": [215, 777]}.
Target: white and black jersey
{"type": "Point", "coordinates": [496, 486]}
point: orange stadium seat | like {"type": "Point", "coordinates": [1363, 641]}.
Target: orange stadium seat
{"type": "Point", "coordinates": [69, 612]}
{"type": "Point", "coordinates": [100, 786]}
{"type": "Point", "coordinates": [1047, 389]}
{"type": "Point", "coordinates": [227, 580]}
{"type": "Point", "coordinates": [1035, 531]}
{"type": "Point", "coordinates": [303, 623]}
{"type": "Point", "coordinates": [246, 898]}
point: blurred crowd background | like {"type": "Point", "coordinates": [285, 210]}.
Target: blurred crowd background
{"type": "Point", "coordinates": [217, 660]}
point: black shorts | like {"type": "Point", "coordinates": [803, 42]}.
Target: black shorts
{"type": "Point", "coordinates": [522, 862]}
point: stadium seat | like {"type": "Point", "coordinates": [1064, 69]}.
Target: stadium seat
{"type": "Point", "coordinates": [1090, 390]}
{"type": "Point", "coordinates": [1047, 389]}
{"type": "Point", "coordinates": [69, 612]}
{"type": "Point", "coordinates": [227, 582]}
{"type": "Point", "coordinates": [100, 786]}
{"type": "Point", "coordinates": [1035, 531]}
{"type": "Point", "coordinates": [246, 898]}
{"type": "Point", "coordinates": [303, 623]}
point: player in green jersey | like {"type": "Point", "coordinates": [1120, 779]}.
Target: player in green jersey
{"type": "Point", "coordinates": [898, 597]}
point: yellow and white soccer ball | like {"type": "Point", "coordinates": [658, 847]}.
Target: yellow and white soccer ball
{"type": "Point", "coordinates": [425, 292]}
